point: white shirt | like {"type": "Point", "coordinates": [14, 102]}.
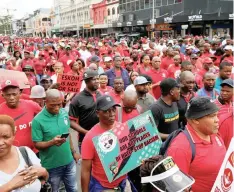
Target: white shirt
{"type": "Point", "coordinates": [84, 55]}
{"type": "Point", "coordinates": [36, 185]}
{"type": "Point", "coordinates": [54, 78]}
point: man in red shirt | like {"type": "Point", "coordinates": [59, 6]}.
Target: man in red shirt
{"type": "Point", "coordinates": [226, 128]}
{"type": "Point", "coordinates": [93, 177]}
{"type": "Point", "coordinates": [228, 54]}
{"type": "Point", "coordinates": [202, 127]}
{"type": "Point", "coordinates": [206, 52]}
{"type": "Point", "coordinates": [117, 92]}
{"type": "Point", "coordinates": [40, 65]}
{"type": "Point", "coordinates": [156, 73]}
{"type": "Point", "coordinates": [168, 59]}
{"type": "Point", "coordinates": [26, 60]}
{"type": "Point", "coordinates": [67, 59]}
{"type": "Point", "coordinates": [225, 100]}
{"type": "Point", "coordinates": [174, 69]}
{"type": "Point", "coordinates": [22, 111]}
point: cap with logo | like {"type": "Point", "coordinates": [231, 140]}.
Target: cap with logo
{"type": "Point", "coordinates": [94, 58]}
{"type": "Point", "coordinates": [168, 84]}
{"type": "Point", "coordinates": [37, 92]}
{"type": "Point", "coordinates": [199, 107]}
{"type": "Point", "coordinates": [165, 175]}
{"type": "Point", "coordinates": [228, 82]}
{"type": "Point", "coordinates": [140, 80]}
{"type": "Point", "coordinates": [105, 102]}
{"type": "Point", "coordinates": [89, 74]}
{"type": "Point", "coordinates": [9, 83]}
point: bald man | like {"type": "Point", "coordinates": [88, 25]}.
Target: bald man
{"type": "Point", "coordinates": [50, 134]}
{"type": "Point", "coordinates": [174, 69]}
{"type": "Point", "coordinates": [208, 88]}
{"type": "Point", "coordinates": [187, 84]}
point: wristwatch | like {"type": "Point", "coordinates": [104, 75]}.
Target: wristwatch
{"type": "Point", "coordinates": [73, 151]}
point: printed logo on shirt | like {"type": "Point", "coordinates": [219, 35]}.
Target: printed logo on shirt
{"type": "Point", "coordinates": [218, 141]}
{"type": "Point", "coordinates": [227, 177]}
{"type": "Point", "coordinates": [171, 116]}
{"type": "Point", "coordinates": [18, 117]}
{"type": "Point", "coordinates": [23, 126]}
{"type": "Point", "coordinates": [107, 142]}
{"type": "Point", "coordinates": [65, 121]}
{"type": "Point", "coordinates": [163, 75]}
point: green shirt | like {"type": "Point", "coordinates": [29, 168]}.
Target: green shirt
{"type": "Point", "coordinates": [46, 126]}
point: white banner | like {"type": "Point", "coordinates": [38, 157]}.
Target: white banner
{"type": "Point", "coordinates": [224, 180]}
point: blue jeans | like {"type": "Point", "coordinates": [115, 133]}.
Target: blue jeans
{"type": "Point", "coordinates": [95, 186]}
{"type": "Point", "coordinates": [67, 174]}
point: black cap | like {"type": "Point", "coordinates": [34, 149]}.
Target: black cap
{"type": "Point", "coordinates": [199, 107]}
{"type": "Point", "coordinates": [89, 74]}
{"type": "Point", "coordinates": [105, 102]}
{"type": "Point", "coordinates": [168, 84]}
{"type": "Point", "coordinates": [46, 77]}
{"type": "Point", "coordinates": [95, 58]}
{"type": "Point", "coordinates": [228, 82]}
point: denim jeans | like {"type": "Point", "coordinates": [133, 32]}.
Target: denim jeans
{"type": "Point", "coordinates": [67, 174]}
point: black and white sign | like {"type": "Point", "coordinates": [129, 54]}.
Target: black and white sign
{"type": "Point", "coordinates": [168, 20]}
{"type": "Point", "coordinates": [195, 18]}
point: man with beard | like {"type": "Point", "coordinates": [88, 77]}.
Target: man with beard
{"type": "Point", "coordinates": [225, 100]}
{"type": "Point", "coordinates": [165, 110]}
{"type": "Point", "coordinates": [82, 109]}
{"type": "Point", "coordinates": [144, 98]}
{"type": "Point", "coordinates": [208, 89]}
{"type": "Point", "coordinates": [117, 93]}
{"type": "Point", "coordinates": [187, 83]}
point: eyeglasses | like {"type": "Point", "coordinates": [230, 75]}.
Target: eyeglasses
{"type": "Point", "coordinates": [194, 58]}
{"type": "Point", "coordinates": [27, 70]}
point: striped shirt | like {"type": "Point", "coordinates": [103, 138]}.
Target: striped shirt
{"type": "Point", "coordinates": [223, 108]}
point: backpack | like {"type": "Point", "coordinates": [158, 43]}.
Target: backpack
{"type": "Point", "coordinates": [172, 136]}
{"type": "Point", "coordinates": [44, 188]}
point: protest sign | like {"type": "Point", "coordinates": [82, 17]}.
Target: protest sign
{"type": "Point", "coordinates": [124, 147]}
{"type": "Point", "coordinates": [69, 83]}
{"type": "Point", "coordinates": [18, 76]}
{"type": "Point", "coordinates": [224, 180]}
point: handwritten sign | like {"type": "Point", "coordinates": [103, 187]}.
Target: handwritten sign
{"type": "Point", "coordinates": [224, 181]}
{"type": "Point", "coordinates": [69, 83]}
{"type": "Point", "coordinates": [18, 76]}
{"type": "Point", "coordinates": [123, 148]}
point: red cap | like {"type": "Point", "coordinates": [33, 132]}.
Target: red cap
{"type": "Point", "coordinates": [9, 83]}
{"type": "Point", "coordinates": [27, 51]}
{"type": "Point", "coordinates": [41, 53]}
{"type": "Point", "coordinates": [207, 60]}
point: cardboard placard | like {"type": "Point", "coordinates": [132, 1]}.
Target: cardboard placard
{"type": "Point", "coordinates": [123, 148]}
{"type": "Point", "coordinates": [69, 83]}
{"type": "Point", "coordinates": [18, 76]}
{"type": "Point", "coordinates": [224, 181]}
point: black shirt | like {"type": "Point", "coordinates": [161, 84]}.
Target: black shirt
{"type": "Point", "coordinates": [83, 107]}
{"type": "Point", "coordinates": [166, 116]}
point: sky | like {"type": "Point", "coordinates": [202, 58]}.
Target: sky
{"type": "Point", "coordinates": [23, 7]}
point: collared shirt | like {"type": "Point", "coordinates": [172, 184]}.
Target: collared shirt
{"type": "Point", "coordinates": [112, 75]}
{"type": "Point", "coordinates": [224, 108]}
{"type": "Point", "coordinates": [207, 162]}
{"type": "Point", "coordinates": [46, 126]}
{"type": "Point", "coordinates": [83, 108]}
{"type": "Point", "coordinates": [212, 94]}
{"type": "Point", "coordinates": [145, 102]}
{"type": "Point", "coordinates": [116, 96]}
{"type": "Point", "coordinates": [157, 75]}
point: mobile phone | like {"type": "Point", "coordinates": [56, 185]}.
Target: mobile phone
{"type": "Point", "coordinates": [65, 135]}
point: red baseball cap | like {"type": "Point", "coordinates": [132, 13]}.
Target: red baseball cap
{"type": "Point", "coordinates": [207, 60]}
{"type": "Point", "coordinates": [9, 83]}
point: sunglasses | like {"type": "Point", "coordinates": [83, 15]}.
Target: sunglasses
{"type": "Point", "coordinates": [194, 58]}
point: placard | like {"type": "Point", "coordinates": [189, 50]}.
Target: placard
{"type": "Point", "coordinates": [18, 76]}
{"type": "Point", "coordinates": [224, 181]}
{"type": "Point", "coordinates": [123, 148]}
{"type": "Point", "coordinates": [69, 83]}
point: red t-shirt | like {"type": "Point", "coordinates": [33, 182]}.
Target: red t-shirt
{"type": "Point", "coordinates": [106, 90]}
{"type": "Point", "coordinates": [117, 97]}
{"type": "Point", "coordinates": [66, 62]}
{"type": "Point", "coordinates": [88, 152]}
{"type": "Point", "coordinates": [39, 66]}
{"type": "Point", "coordinates": [23, 116]}
{"type": "Point", "coordinates": [157, 75]}
{"type": "Point", "coordinates": [226, 128]}
{"type": "Point", "coordinates": [126, 116]}
{"type": "Point", "coordinates": [143, 70]}
{"type": "Point", "coordinates": [224, 109]}
{"type": "Point", "coordinates": [118, 73]}
{"type": "Point", "coordinates": [207, 162]}
{"type": "Point", "coordinates": [173, 71]}
{"type": "Point", "coordinates": [16, 68]}
{"type": "Point", "coordinates": [25, 62]}
{"type": "Point", "coordinates": [166, 62]}
{"type": "Point", "coordinates": [32, 81]}
{"type": "Point", "coordinates": [229, 59]}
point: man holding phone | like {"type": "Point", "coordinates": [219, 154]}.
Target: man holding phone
{"type": "Point", "coordinates": [50, 134]}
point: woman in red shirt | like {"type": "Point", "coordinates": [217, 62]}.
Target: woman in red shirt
{"type": "Point", "coordinates": [29, 72]}
{"type": "Point", "coordinates": [145, 64]}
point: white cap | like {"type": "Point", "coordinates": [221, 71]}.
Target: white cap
{"type": "Point", "coordinates": [145, 47]}
{"type": "Point", "coordinates": [37, 92]}
{"type": "Point", "coordinates": [107, 59]}
{"type": "Point", "coordinates": [228, 47]}
{"type": "Point", "coordinates": [62, 44]}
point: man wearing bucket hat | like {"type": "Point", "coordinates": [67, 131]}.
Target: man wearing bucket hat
{"type": "Point", "coordinates": [38, 95]}
{"type": "Point", "coordinates": [202, 126]}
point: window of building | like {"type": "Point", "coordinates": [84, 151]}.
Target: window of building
{"type": "Point", "coordinates": [170, 2]}
{"type": "Point", "coordinates": [137, 5]}
{"type": "Point", "coordinates": [164, 2]}
{"type": "Point", "coordinates": [128, 7]}
{"type": "Point", "coordinates": [142, 4]}
{"type": "Point", "coordinates": [146, 4]}
{"type": "Point", "coordinates": [118, 10]}
{"type": "Point", "coordinates": [128, 1]}
{"type": "Point", "coordinates": [151, 3]}
{"type": "Point", "coordinates": [124, 1]}
{"type": "Point", "coordinates": [108, 12]}
{"type": "Point", "coordinates": [133, 6]}
{"type": "Point", "coordinates": [120, 1]}
{"type": "Point", "coordinates": [113, 11]}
